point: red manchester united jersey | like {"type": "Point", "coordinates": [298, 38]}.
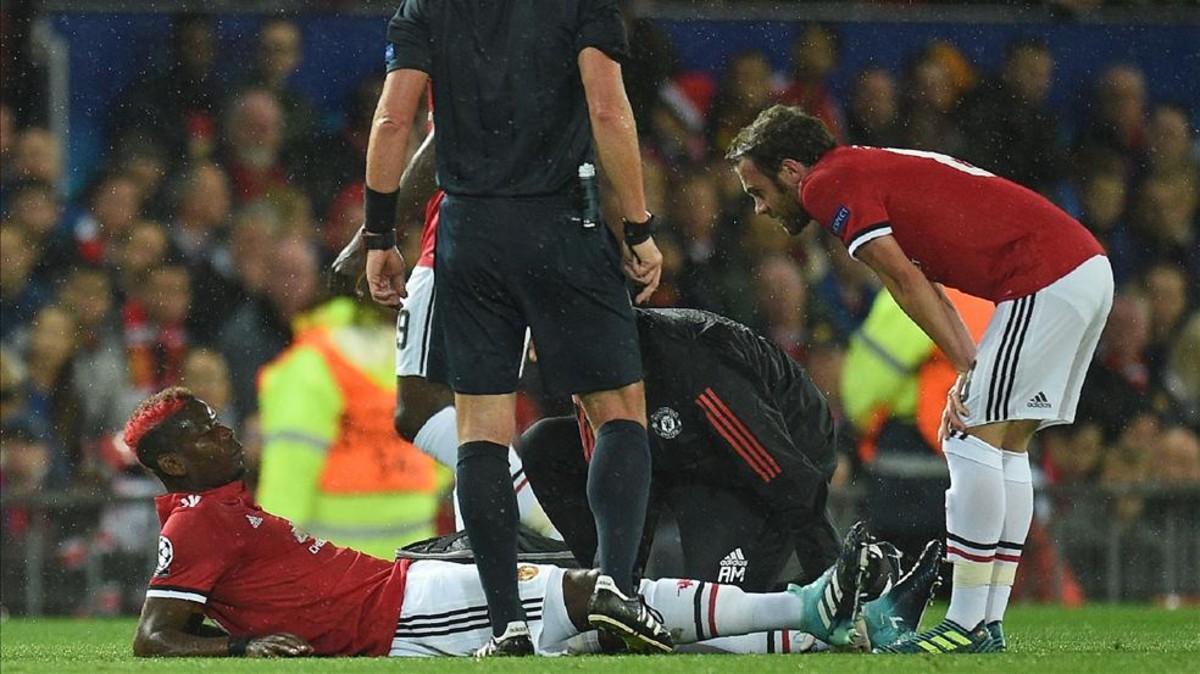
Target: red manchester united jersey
{"type": "Point", "coordinates": [429, 232]}
{"type": "Point", "coordinates": [964, 227]}
{"type": "Point", "coordinates": [256, 573]}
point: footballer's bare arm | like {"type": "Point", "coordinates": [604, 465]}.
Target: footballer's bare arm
{"type": "Point", "coordinates": [175, 628]}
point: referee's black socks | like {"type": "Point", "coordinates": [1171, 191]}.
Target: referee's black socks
{"type": "Point", "coordinates": [489, 512]}
{"type": "Point", "coordinates": [618, 489]}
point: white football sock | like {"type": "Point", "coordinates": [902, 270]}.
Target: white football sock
{"type": "Point", "coordinates": [438, 438]}
{"type": "Point", "coordinates": [1018, 513]}
{"type": "Point", "coordinates": [776, 641]}
{"type": "Point", "coordinates": [974, 520]}
{"type": "Point", "coordinates": [696, 610]}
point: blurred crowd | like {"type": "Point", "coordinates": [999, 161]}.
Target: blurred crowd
{"type": "Point", "coordinates": [195, 251]}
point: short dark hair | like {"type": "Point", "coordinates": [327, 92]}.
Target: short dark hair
{"type": "Point", "coordinates": [781, 132]}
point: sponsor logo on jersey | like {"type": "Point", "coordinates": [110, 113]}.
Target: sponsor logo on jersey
{"type": "Point", "coordinates": [1039, 401]}
{"type": "Point", "coordinates": [166, 553]}
{"type": "Point", "coordinates": [190, 501]}
{"type": "Point", "coordinates": [255, 522]}
{"type": "Point", "coordinates": [526, 572]}
{"type": "Point", "coordinates": [840, 217]}
{"type": "Point", "coordinates": [665, 422]}
{"type": "Point", "coordinates": [733, 567]}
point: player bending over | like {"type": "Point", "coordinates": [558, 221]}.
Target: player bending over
{"type": "Point", "coordinates": [921, 220]}
{"type": "Point", "coordinates": [276, 591]}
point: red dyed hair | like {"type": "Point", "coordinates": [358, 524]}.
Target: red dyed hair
{"type": "Point", "coordinates": [153, 411]}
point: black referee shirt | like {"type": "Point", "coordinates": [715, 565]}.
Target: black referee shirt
{"type": "Point", "coordinates": [509, 106]}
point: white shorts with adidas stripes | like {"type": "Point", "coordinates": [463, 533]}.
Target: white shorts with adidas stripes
{"type": "Point", "coordinates": [1036, 350]}
{"type": "Point", "coordinates": [445, 610]}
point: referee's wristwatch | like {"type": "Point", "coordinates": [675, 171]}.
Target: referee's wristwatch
{"type": "Point", "coordinates": [639, 232]}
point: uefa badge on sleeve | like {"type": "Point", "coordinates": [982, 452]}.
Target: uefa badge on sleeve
{"type": "Point", "coordinates": [166, 553]}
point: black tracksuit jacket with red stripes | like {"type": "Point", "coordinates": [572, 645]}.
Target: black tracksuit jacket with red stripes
{"type": "Point", "coordinates": [729, 409]}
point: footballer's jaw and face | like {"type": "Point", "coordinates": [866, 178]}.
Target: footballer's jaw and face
{"type": "Point", "coordinates": [208, 455]}
{"type": "Point", "coordinates": [776, 196]}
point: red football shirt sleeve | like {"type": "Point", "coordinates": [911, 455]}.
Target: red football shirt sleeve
{"type": "Point", "coordinates": [846, 205]}
{"type": "Point", "coordinates": [192, 556]}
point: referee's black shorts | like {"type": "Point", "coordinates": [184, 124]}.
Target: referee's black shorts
{"type": "Point", "coordinates": [506, 263]}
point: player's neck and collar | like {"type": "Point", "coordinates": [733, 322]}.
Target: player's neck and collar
{"type": "Point", "coordinates": [173, 500]}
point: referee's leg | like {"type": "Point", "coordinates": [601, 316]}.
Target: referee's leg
{"type": "Point", "coordinates": [619, 478]}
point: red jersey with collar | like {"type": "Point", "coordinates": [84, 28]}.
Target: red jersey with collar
{"type": "Point", "coordinates": [964, 227]}
{"type": "Point", "coordinates": [256, 574]}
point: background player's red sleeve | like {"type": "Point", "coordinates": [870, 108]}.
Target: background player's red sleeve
{"type": "Point", "coordinates": [847, 205]}
{"type": "Point", "coordinates": [192, 556]}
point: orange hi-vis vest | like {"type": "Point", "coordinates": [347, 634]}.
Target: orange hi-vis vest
{"type": "Point", "coordinates": [367, 456]}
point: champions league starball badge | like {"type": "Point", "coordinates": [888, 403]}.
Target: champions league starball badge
{"type": "Point", "coordinates": [665, 422]}
{"type": "Point", "coordinates": [166, 553]}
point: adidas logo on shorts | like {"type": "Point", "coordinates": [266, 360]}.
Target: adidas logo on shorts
{"type": "Point", "coordinates": [1039, 401]}
{"type": "Point", "coordinates": [733, 568]}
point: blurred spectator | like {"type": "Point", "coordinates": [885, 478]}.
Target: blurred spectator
{"type": "Point", "coordinates": [207, 375]}
{"type": "Point", "coordinates": [713, 276]}
{"type": "Point", "coordinates": [24, 463]}
{"type": "Point", "coordinates": [8, 137]}
{"type": "Point", "coordinates": [1103, 200]}
{"type": "Point", "coordinates": [782, 298]}
{"type": "Point", "coordinates": [745, 90]}
{"type": "Point", "coordinates": [143, 248]}
{"type": "Point", "coordinates": [1170, 141]}
{"type": "Point", "coordinates": [38, 156]}
{"type": "Point", "coordinates": [1118, 384]}
{"type": "Point", "coordinates": [929, 104]}
{"type": "Point", "coordinates": [99, 370]}
{"type": "Point", "coordinates": [262, 327]}
{"type": "Point", "coordinates": [114, 203]}
{"type": "Point", "coordinates": [874, 116]}
{"type": "Point", "coordinates": [156, 338]}
{"type": "Point", "coordinates": [1118, 115]}
{"type": "Point", "coordinates": [1176, 457]}
{"type": "Point", "coordinates": [21, 295]}
{"type": "Point", "coordinates": [814, 58]}
{"type": "Point", "coordinates": [1012, 132]}
{"type": "Point", "coordinates": [146, 164]}
{"type": "Point", "coordinates": [35, 208]}
{"type": "Point", "coordinates": [338, 160]}
{"type": "Point", "coordinates": [177, 108]}
{"type": "Point", "coordinates": [844, 290]}
{"type": "Point", "coordinates": [202, 205]}
{"type": "Point", "coordinates": [1182, 376]}
{"type": "Point", "coordinates": [1166, 290]}
{"type": "Point", "coordinates": [252, 151]}
{"type": "Point", "coordinates": [251, 241]}
{"type": "Point", "coordinates": [50, 389]}
{"type": "Point", "coordinates": [1162, 227]}
{"type": "Point", "coordinates": [280, 51]}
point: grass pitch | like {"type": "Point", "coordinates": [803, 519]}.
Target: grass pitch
{"type": "Point", "coordinates": [1126, 639]}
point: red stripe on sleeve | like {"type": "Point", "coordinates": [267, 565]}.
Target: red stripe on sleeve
{"type": "Point", "coordinates": [719, 425]}
{"type": "Point", "coordinates": [787, 641]}
{"type": "Point", "coordinates": [712, 611]}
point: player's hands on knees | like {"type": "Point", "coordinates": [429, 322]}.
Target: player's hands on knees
{"type": "Point", "coordinates": [281, 645]}
{"type": "Point", "coordinates": [385, 277]}
{"type": "Point", "coordinates": [955, 413]}
{"type": "Point", "coordinates": [643, 263]}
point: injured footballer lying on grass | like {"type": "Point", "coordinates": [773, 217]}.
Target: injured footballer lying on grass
{"type": "Point", "coordinates": [273, 590]}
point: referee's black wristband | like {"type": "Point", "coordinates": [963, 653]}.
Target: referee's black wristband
{"type": "Point", "coordinates": [383, 241]}
{"type": "Point", "coordinates": [237, 647]}
{"type": "Point", "coordinates": [639, 232]}
{"type": "Point", "coordinates": [380, 210]}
